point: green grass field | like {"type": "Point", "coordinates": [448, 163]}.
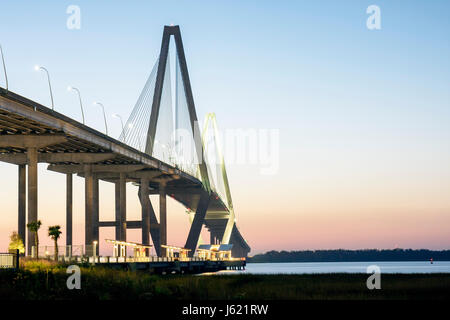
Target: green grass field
{"type": "Point", "coordinates": [46, 281]}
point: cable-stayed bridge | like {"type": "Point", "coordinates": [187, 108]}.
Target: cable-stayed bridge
{"type": "Point", "coordinates": [162, 149]}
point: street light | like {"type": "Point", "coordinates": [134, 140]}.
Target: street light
{"type": "Point", "coordinates": [95, 250]}
{"type": "Point", "coordinates": [116, 115]}
{"type": "Point", "coordinates": [69, 88]}
{"type": "Point", "coordinates": [37, 68]}
{"type": "Point", "coordinates": [4, 67]}
{"type": "Point", "coordinates": [104, 115]}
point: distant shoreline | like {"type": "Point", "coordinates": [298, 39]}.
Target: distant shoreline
{"type": "Point", "coordinates": [368, 255]}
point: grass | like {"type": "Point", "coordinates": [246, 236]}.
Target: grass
{"type": "Point", "coordinates": [44, 280]}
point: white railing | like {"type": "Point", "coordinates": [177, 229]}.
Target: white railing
{"type": "Point", "coordinates": [7, 260]}
{"type": "Point", "coordinates": [85, 253]}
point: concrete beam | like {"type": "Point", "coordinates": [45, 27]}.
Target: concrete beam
{"type": "Point", "coordinates": [30, 141]}
{"type": "Point", "coordinates": [21, 158]}
{"type": "Point", "coordinates": [107, 224]}
{"type": "Point", "coordinates": [166, 178]}
{"type": "Point", "coordinates": [145, 174]}
{"type": "Point", "coordinates": [85, 157]}
{"type": "Point", "coordinates": [134, 224]}
{"type": "Point", "coordinates": [105, 175]}
{"type": "Point", "coordinates": [14, 158]}
{"type": "Point", "coordinates": [179, 190]}
{"type": "Point", "coordinates": [131, 224]}
{"type": "Point", "coordinates": [66, 169]}
{"type": "Point", "coordinates": [132, 176]}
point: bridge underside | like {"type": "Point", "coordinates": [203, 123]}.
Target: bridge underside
{"type": "Point", "coordinates": [31, 133]}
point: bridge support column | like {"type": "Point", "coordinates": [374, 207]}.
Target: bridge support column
{"type": "Point", "coordinates": [22, 224]}
{"type": "Point", "coordinates": [96, 214]}
{"type": "Point", "coordinates": [117, 199]}
{"type": "Point", "coordinates": [32, 157]}
{"type": "Point", "coordinates": [144, 194]}
{"type": "Point", "coordinates": [163, 217]}
{"type": "Point", "coordinates": [69, 212]}
{"type": "Point", "coordinates": [199, 219]}
{"type": "Point", "coordinates": [154, 229]}
{"type": "Point", "coordinates": [123, 206]}
{"type": "Point", "coordinates": [89, 207]}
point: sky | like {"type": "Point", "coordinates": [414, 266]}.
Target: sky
{"type": "Point", "coordinates": [362, 116]}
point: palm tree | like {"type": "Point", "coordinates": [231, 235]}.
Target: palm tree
{"type": "Point", "coordinates": [34, 227]}
{"type": "Point", "coordinates": [54, 232]}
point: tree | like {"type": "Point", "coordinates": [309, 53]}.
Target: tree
{"type": "Point", "coordinates": [54, 232]}
{"type": "Point", "coordinates": [34, 227]}
{"type": "Point", "coordinates": [16, 243]}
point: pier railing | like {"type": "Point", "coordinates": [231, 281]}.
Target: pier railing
{"type": "Point", "coordinates": [85, 254]}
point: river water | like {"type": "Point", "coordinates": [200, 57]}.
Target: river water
{"type": "Point", "coordinates": [343, 267]}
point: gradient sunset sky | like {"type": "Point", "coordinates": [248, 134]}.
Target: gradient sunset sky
{"type": "Point", "coordinates": [363, 115]}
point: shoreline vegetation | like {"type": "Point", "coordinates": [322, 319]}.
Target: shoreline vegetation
{"type": "Point", "coordinates": [46, 280]}
{"type": "Point", "coordinates": [342, 255]}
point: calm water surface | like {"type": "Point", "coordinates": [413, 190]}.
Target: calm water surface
{"type": "Point", "coordinates": [346, 267]}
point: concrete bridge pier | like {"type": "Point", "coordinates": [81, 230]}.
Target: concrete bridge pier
{"type": "Point", "coordinates": [89, 207]}
{"type": "Point", "coordinates": [96, 215]}
{"type": "Point", "coordinates": [163, 217]}
{"type": "Point", "coordinates": [144, 195]}
{"type": "Point", "coordinates": [91, 210]}
{"type": "Point", "coordinates": [32, 193]}
{"type": "Point", "coordinates": [122, 206]}
{"type": "Point", "coordinates": [21, 229]}
{"type": "Point", "coordinates": [69, 212]}
{"type": "Point", "coordinates": [117, 216]}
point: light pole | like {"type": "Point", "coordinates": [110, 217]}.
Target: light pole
{"type": "Point", "coordinates": [104, 115]}
{"type": "Point", "coordinates": [79, 97]}
{"type": "Point", "coordinates": [4, 67]}
{"type": "Point", "coordinates": [37, 68]}
{"type": "Point", "coordinates": [116, 115]}
{"type": "Point", "coordinates": [95, 251]}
